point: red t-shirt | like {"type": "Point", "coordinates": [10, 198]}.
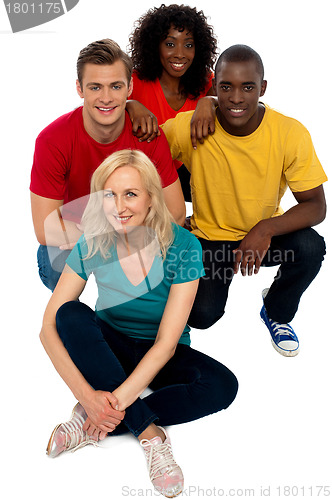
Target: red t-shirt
{"type": "Point", "coordinates": [151, 95]}
{"type": "Point", "coordinates": [66, 157]}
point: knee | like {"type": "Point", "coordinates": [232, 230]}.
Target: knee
{"type": "Point", "coordinates": [51, 262]}
{"type": "Point", "coordinates": [224, 389]}
{"type": "Point", "coordinates": [203, 320]}
{"type": "Point", "coordinates": [47, 274]}
{"type": "Point", "coordinates": [311, 247]}
{"type": "Point", "coordinates": [228, 388]}
{"type": "Point", "coordinates": [69, 312]}
{"type": "Point", "coordinates": [71, 317]}
{"type": "Point", "coordinates": [49, 279]}
{"type": "Point", "coordinates": [232, 389]}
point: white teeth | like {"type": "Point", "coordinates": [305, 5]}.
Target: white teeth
{"type": "Point", "coordinates": [237, 110]}
{"type": "Point", "coordinates": [122, 218]}
{"type": "Point", "coordinates": [105, 109]}
{"type": "Point", "coordinates": [178, 65]}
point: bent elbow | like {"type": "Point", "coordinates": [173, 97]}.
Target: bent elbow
{"type": "Point", "coordinates": [40, 235]}
{"type": "Point", "coordinates": [321, 215]}
{"type": "Point", "coordinates": [172, 352]}
{"type": "Point", "coordinates": [41, 240]}
{"type": "Point", "coordinates": [180, 218]}
{"type": "Point", "coordinates": [322, 208]}
{"type": "Point", "coordinates": [42, 337]}
{"type": "Point", "coordinates": [324, 212]}
{"type": "Point", "coordinates": [167, 353]}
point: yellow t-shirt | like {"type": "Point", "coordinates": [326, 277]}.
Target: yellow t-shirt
{"type": "Point", "coordinates": [238, 181]}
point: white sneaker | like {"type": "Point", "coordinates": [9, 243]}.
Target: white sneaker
{"type": "Point", "coordinates": [70, 435]}
{"type": "Point", "coordinates": [165, 474]}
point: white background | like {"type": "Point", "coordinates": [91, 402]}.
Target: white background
{"type": "Point", "coordinates": [277, 433]}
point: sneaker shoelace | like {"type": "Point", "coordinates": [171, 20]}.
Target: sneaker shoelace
{"type": "Point", "coordinates": [75, 436]}
{"type": "Point", "coordinates": [279, 328]}
{"type": "Point", "coordinates": [159, 457]}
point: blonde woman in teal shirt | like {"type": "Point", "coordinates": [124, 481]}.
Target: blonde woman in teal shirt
{"type": "Point", "coordinates": [147, 271]}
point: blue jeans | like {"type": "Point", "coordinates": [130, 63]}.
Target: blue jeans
{"type": "Point", "coordinates": [51, 261]}
{"type": "Point", "coordinates": [190, 386]}
{"type": "Point", "coordinates": [299, 254]}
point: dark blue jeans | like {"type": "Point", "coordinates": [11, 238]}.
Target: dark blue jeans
{"type": "Point", "coordinates": [299, 255]}
{"type": "Point", "coordinates": [51, 261]}
{"type": "Point", "coordinates": [190, 386]}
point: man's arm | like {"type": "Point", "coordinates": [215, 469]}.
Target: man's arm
{"type": "Point", "coordinates": [309, 211]}
{"type": "Point", "coordinates": [49, 226]}
{"type": "Point", "coordinates": [52, 230]}
{"type": "Point", "coordinates": [159, 153]}
{"type": "Point", "coordinates": [174, 200]}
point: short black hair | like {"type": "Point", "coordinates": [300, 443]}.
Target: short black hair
{"type": "Point", "coordinates": [241, 53]}
{"type": "Point", "coordinates": [153, 27]}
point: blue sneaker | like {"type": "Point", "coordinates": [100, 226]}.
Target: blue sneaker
{"type": "Point", "coordinates": [283, 337]}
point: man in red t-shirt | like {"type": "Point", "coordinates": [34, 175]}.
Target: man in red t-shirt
{"type": "Point", "coordinates": [69, 150]}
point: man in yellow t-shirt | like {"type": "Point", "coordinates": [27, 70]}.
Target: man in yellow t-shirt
{"type": "Point", "coordinates": [238, 177]}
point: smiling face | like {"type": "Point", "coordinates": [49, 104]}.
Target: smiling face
{"type": "Point", "coordinates": [105, 89]}
{"type": "Point", "coordinates": [126, 201]}
{"type": "Point", "coordinates": [239, 86]}
{"type": "Point", "coordinates": [177, 52]}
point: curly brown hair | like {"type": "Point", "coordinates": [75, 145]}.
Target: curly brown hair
{"type": "Point", "coordinates": [153, 27]}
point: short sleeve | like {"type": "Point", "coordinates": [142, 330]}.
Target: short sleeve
{"type": "Point", "coordinates": [159, 152]}
{"type": "Point", "coordinates": [76, 260]}
{"type": "Point", "coordinates": [303, 170]}
{"type": "Point", "coordinates": [184, 258]}
{"type": "Point", "coordinates": [49, 170]}
{"type": "Point", "coordinates": [169, 129]}
{"type": "Point", "coordinates": [177, 131]}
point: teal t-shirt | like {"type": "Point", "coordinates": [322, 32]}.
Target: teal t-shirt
{"type": "Point", "coordinates": [136, 311]}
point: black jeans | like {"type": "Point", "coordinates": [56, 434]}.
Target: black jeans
{"type": "Point", "coordinates": [299, 254]}
{"type": "Point", "coordinates": [190, 386]}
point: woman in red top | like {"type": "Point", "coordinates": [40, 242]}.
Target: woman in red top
{"type": "Point", "coordinates": [173, 50]}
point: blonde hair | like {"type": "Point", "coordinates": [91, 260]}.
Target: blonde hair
{"type": "Point", "coordinates": [98, 231]}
